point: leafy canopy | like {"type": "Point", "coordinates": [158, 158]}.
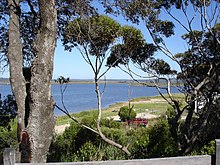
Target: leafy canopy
{"type": "Point", "coordinates": [125, 113]}
{"type": "Point", "coordinates": [96, 33]}
{"type": "Point", "coordinates": [8, 111]}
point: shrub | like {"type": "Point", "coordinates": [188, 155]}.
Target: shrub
{"type": "Point", "coordinates": [80, 144]}
{"type": "Point", "coordinates": [207, 149]}
{"type": "Point", "coordinates": [88, 152]}
{"type": "Point", "coordinates": [110, 123]}
{"type": "Point", "coordinates": [140, 141]}
{"type": "Point", "coordinates": [8, 111]}
{"type": "Point", "coordinates": [161, 143]}
{"type": "Point", "coordinates": [109, 152]}
{"type": "Point", "coordinates": [125, 113]}
{"type": "Point", "coordinates": [65, 147]}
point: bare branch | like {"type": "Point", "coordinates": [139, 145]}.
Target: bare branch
{"type": "Point", "coordinates": [74, 119]}
{"type": "Point", "coordinates": [125, 149]}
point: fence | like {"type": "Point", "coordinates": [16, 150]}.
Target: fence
{"type": "Point", "coordinates": [9, 159]}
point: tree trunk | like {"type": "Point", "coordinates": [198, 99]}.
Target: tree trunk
{"type": "Point", "coordinates": [36, 121]}
{"type": "Point", "coordinates": [41, 119]}
{"type": "Point", "coordinates": [15, 58]}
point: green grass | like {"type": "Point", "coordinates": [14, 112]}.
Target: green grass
{"type": "Point", "coordinates": [61, 120]}
{"type": "Point", "coordinates": [153, 108]}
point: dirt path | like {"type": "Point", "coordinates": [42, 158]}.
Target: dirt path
{"type": "Point", "coordinates": [150, 101]}
{"type": "Point", "coordinates": [59, 129]}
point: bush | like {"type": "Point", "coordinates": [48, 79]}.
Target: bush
{"type": "Point", "coordinates": [109, 152]}
{"type": "Point", "coordinates": [161, 143]}
{"type": "Point", "coordinates": [207, 149]}
{"type": "Point", "coordinates": [80, 144]}
{"type": "Point", "coordinates": [140, 141]}
{"type": "Point", "coordinates": [63, 147]}
{"type": "Point", "coordinates": [88, 152]}
{"type": "Point", "coordinates": [110, 123]}
{"type": "Point", "coordinates": [125, 113]}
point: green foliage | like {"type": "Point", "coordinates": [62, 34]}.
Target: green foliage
{"type": "Point", "coordinates": [88, 152]}
{"type": "Point", "coordinates": [131, 37]}
{"type": "Point", "coordinates": [89, 120]}
{"type": "Point", "coordinates": [96, 34]}
{"type": "Point", "coordinates": [108, 152]}
{"type": "Point", "coordinates": [161, 67]}
{"type": "Point", "coordinates": [125, 113]}
{"type": "Point", "coordinates": [8, 111]}
{"type": "Point", "coordinates": [110, 123]}
{"type": "Point", "coordinates": [64, 144]}
{"type": "Point", "coordinates": [170, 113]}
{"type": "Point", "coordinates": [161, 143]}
{"type": "Point", "coordinates": [207, 149]}
{"type": "Point", "coordinates": [135, 49]}
{"type": "Point", "coordinates": [79, 144]}
{"type": "Point", "coordinates": [118, 135]}
{"type": "Point", "coordinates": [140, 141]}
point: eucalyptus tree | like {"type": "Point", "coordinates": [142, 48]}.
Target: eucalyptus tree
{"type": "Point", "coordinates": [198, 64]}
{"type": "Point", "coordinates": [96, 37]}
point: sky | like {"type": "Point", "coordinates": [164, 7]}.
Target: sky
{"type": "Point", "coordinates": [72, 65]}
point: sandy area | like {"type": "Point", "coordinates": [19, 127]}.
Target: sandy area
{"type": "Point", "coordinates": [59, 129]}
{"type": "Point", "coordinates": [144, 115]}
{"type": "Point", "coordinates": [150, 101]}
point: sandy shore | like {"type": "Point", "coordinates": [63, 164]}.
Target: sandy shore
{"type": "Point", "coordinates": [59, 129]}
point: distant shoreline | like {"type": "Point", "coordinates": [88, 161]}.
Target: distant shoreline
{"type": "Point", "coordinates": [5, 81]}
{"type": "Point", "coordinates": [78, 81]}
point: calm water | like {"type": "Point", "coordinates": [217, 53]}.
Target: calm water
{"type": "Point", "coordinates": [79, 97]}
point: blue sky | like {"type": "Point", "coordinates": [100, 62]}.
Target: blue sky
{"type": "Point", "coordinates": [71, 64]}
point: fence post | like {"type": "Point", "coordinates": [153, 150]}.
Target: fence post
{"type": "Point", "coordinates": [217, 151]}
{"type": "Point", "coordinates": [9, 156]}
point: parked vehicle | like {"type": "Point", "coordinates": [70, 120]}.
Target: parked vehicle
{"type": "Point", "coordinates": [138, 122]}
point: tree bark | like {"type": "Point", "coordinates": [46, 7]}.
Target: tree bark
{"type": "Point", "coordinates": [35, 125]}
{"type": "Point", "coordinates": [41, 120]}
{"type": "Point", "coordinates": [15, 58]}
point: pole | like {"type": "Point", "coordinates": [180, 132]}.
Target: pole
{"type": "Point", "coordinates": [9, 156]}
